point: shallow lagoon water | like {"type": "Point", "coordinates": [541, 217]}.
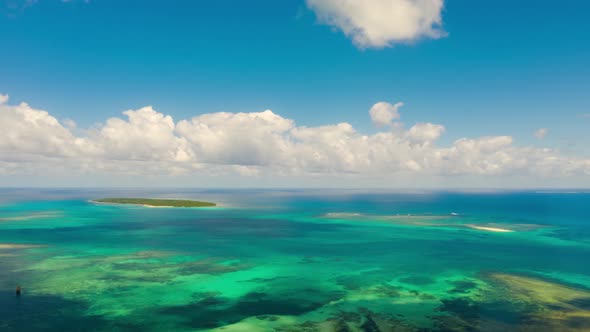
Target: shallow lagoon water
{"type": "Point", "coordinates": [296, 261]}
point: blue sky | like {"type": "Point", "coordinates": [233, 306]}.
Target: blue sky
{"type": "Point", "coordinates": [504, 67]}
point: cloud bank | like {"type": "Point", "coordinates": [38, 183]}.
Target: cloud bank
{"type": "Point", "coordinates": [146, 142]}
{"type": "Point", "coordinates": [382, 23]}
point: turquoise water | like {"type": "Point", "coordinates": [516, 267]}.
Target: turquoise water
{"type": "Point", "coordinates": [295, 261]}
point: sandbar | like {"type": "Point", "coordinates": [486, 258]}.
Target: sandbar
{"type": "Point", "coordinates": [490, 229]}
{"type": "Point", "coordinates": [19, 246]}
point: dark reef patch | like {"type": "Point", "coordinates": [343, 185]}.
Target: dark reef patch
{"type": "Point", "coordinates": [417, 280]}
{"type": "Point", "coordinates": [369, 325]}
{"type": "Point", "coordinates": [215, 311]}
{"type": "Point", "coordinates": [462, 286]}
{"type": "Point", "coordinates": [461, 307]}
{"type": "Point", "coordinates": [53, 314]}
{"type": "Point", "coordinates": [364, 320]}
{"type": "Point", "coordinates": [464, 314]}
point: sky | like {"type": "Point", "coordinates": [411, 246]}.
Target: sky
{"type": "Point", "coordinates": [265, 93]}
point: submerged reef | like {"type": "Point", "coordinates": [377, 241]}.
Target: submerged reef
{"type": "Point", "coordinates": [443, 221]}
{"type": "Point", "coordinates": [19, 246]}
{"type": "Point", "coordinates": [137, 269]}
{"type": "Point", "coordinates": [511, 302]}
{"type": "Point", "coordinates": [496, 302]}
{"type": "Point", "coordinates": [31, 216]}
{"type": "Point", "coordinates": [553, 306]}
{"type": "Point", "coordinates": [172, 291]}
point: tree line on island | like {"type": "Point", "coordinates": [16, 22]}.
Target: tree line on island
{"type": "Point", "coordinates": [155, 202]}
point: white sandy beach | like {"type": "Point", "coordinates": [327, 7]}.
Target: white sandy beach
{"type": "Point", "coordinates": [490, 229]}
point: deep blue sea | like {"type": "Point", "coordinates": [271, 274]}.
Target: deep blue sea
{"type": "Point", "coordinates": [295, 260]}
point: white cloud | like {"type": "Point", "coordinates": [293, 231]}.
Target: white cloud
{"type": "Point", "coordinates": [26, 132]}
{"type": "Point", "coordinates": [483, 156]}
{"type": "Point", "coordinates": [147, 143]}
{"type": "Point", "coordinates": [71, 124]}
{"type": "Point", "coordinates": [146, 135]}
{"type": "Point", "coordinates": [3, 98]}
{"type": "Point", "coordinates": [383, 113]}
{"type": "Point", "coordinates": [541, 133]}
{"type": "Point", "coordinates": [425, 133]}
{"type": "Point", "coordinates": [236, 138]}
{"type": "Point", "coordinates": [382, 23]}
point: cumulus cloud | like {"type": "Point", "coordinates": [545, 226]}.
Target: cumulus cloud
{"type": "Point", "coordinates": [146, 142]}
{"type": "Point", "coordinates": [237, 138]}
{"type": "Point", "coordinates": [383, 113]}
{"type": "Point", "coordinates": [541, 133]}
{"type": "Point", "coordinates": [26, 132]}
{"type": "Point", "coordinates": [425, 133]}
{"type": "Point", "coordinates": [145, 135]}
{"type": "Point", "coordinates": [382, 23]}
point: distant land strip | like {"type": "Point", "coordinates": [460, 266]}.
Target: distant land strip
{"type": "Point", "coordinates": [155, 202]}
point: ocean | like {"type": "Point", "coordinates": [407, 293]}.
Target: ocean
{"type": "Point", "coordinates": [295, 260]}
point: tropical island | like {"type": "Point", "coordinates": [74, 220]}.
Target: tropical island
{"type": "Point", "coordinates": [151, 202]}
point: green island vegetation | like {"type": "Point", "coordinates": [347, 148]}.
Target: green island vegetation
{"type": "Point", "coordinates": [155, 202]}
